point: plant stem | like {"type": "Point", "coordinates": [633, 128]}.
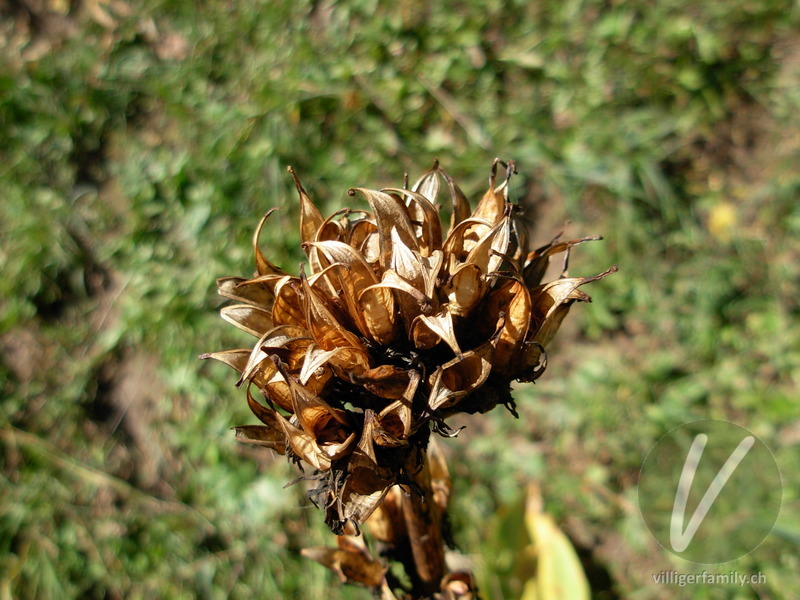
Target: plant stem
{"type": "Point", "coordinates": [423, 523]}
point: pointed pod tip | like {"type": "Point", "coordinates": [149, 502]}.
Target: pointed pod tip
{"type": "Point", "coordinates": [268, 213]}
{"type": "Point", "coordinates": [204, 355]}
{"type": "Point", "coordinates": [493, 174]}
{"type": "Point", "coordinates": [297, 184]}
{"type": "Point", "coordinates": [608, 271]}
{"type": "Point", "coordinates": [351, 192]}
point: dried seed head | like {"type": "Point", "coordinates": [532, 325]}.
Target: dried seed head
{"type": "Point", "coordinates": [394, 328]}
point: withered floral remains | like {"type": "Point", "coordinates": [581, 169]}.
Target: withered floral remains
{"type": "Point", "coordinates": [389, 329]}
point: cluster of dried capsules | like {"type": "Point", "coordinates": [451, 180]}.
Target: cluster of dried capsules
{"type": "Point", "coordinates": [391, 327]}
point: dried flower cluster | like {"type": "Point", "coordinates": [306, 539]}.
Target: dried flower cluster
{"type": "Point", "coordinates": [390, 328]}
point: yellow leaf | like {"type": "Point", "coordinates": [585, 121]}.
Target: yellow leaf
{"type": "Point", "coordinates": [722, 221]}
{"type": "Point", "coordinates": [559, 574]}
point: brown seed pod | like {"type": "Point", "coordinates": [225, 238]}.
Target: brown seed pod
{"type": "Point", "coordinates": [394, 328]}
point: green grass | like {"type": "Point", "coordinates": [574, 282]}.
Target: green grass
{"type": "Point", "coordinates": [139, 149]}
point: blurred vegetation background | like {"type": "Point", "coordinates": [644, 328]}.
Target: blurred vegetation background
{"type": "Point", "coordinates": [140, 142]}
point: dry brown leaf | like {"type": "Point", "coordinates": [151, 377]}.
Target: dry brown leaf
{"type": "Point", "coordinates": [441, 483]}
{"type": "Point", "coordinates": [236, 359]}
{"type": "Point", "coordinates": [489, 251]}
{"type": "Point", "coordinates": [332, 228]}
{"type": "Point", "coordinates": [351, 563]}
{"type": "Point", "coordinates": [396, 419]}
{"type": "Point", "coordinates": [363, 490]}
{"type": "Point", "coordinates": [310, 218]}
{"type": "Point", "coordinates": [268, 416]}
{"type": "Point", "coordinates": [288, 308]}
{"type": "Point", "coordinates": [454, 380]}
{"type": "Point", "coordinates": [386, 522]}
{"type": "Point", "coordinates": [462, 239]}
{"type": "Point", "coordinates": [509, 306]}
{"type": "Point", "coordinates": [532, 362]}
{"type": "Point", "coordinates": [304, 445]}
{"type": "Point", "coordinates": [427, 331]}
{"type": "Point", "coordinates": [385, 381]}
{"type": "Point", "coordinates": [314, 361]}
{"type": "Point", "coordinates": [428, 184]}
{"type": "Point", "coordinates": [262, 435]}
{"type": "Point", "coordinates": [249, 318]}
{"type": "Point", "coordinates": [360, 230]}
{"type": "Point", "coordinates": [492, 205]}
{"type": "Point", "coordinates": [461, 209]}
{"type": "Point", "coordinates": [546, 299]}
{"type": "Point", "coordinates": [424, 218]}
{"type": "Point", "coordinates": [406, 262]}
{"type": "Point", "coordinates": [465, 289]}
{"type": "Point", "coordinates": [257, 293]}
{"type": "Point", "coordinates": [263, 266]}
{"type": "Point", "coordinates": [390, 213]}
{"type": "Point", "coordinates": [329, 334]}
{"type": "Point", "coordinates": [536, 262]}
{"type": "Point", "coordinates": [372, 308]}
{"type": "Point", "coordinates": [331, 428]}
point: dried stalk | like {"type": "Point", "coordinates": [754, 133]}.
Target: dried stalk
{"type": "Point", "coordinates": [423, 521]}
